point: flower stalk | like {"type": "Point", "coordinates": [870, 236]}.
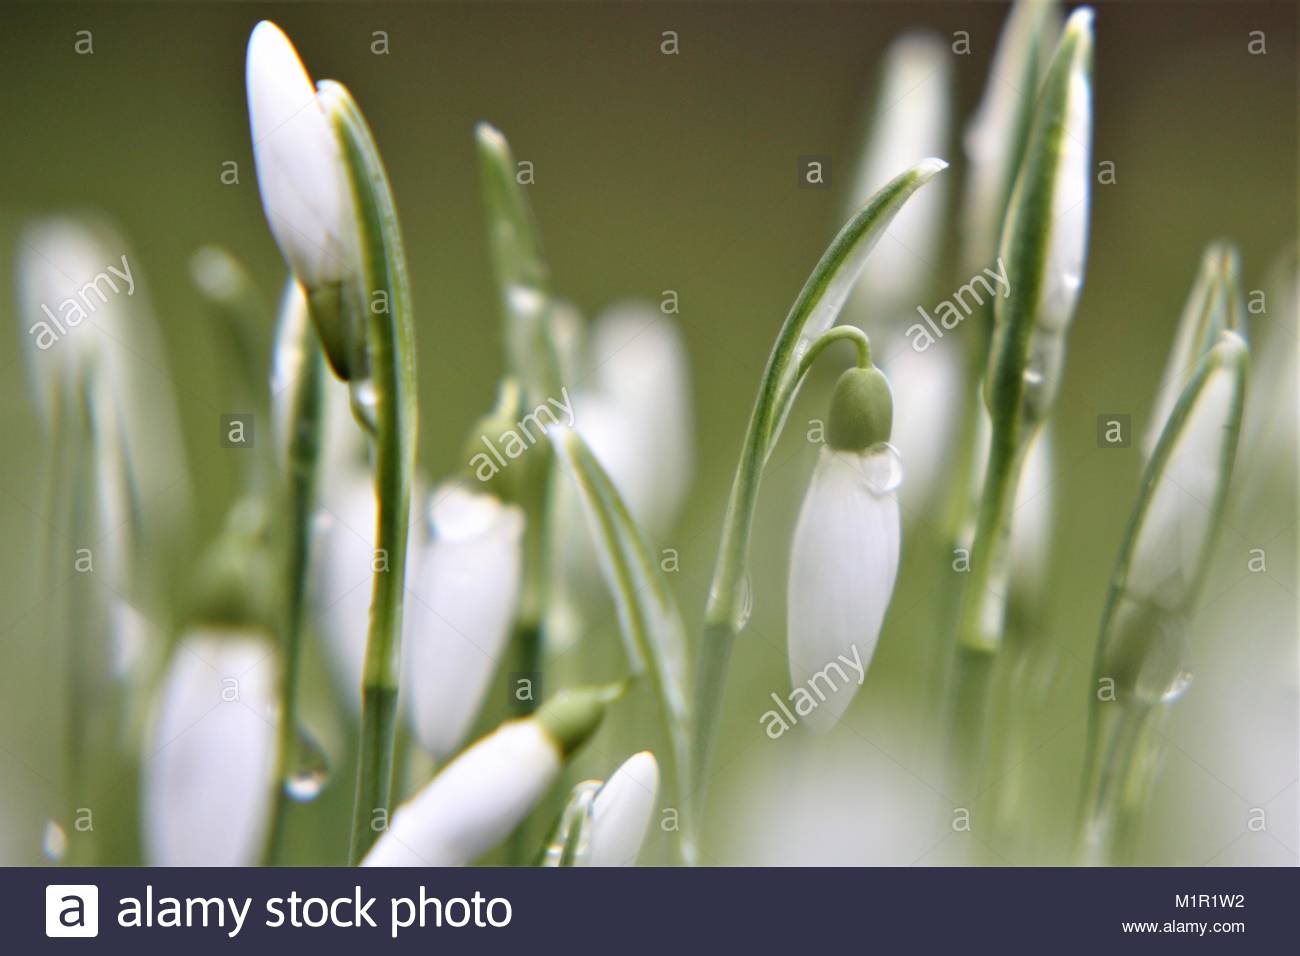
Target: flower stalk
{"type": "Point", "coordinates": [384, 293]}
{"type": "Point", "coordinates": [1141, 648]}
{"type": "Point", "coordinates": [813, 314]}
{"type": "Point", "coordinates": [300, 373]}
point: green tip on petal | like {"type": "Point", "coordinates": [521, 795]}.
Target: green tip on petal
{"type": "Point", "coordinates": [862, 410]}
{"type": "Point", "coordinates": [572, 716]}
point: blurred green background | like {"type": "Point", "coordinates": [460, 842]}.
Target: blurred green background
{"type": "Point", "coordinates": [659, 172]}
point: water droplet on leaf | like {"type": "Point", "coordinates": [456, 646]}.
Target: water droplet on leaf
{"type": "Point", "coordinates": [310, 769]}
{"type": "Point", "coordinates": [54, 842]}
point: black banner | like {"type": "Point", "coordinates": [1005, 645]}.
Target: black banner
{"type": "Point", "coordinates": [648, 910]}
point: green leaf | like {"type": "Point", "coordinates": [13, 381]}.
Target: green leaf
{"type": "Point", "coordinates": [1214, 306]}
{"type": "Point", "coordinates": [652, 630]}
{"type": "Point", "coordinates": [569, 841]}
{"type": "Point", "coordinates": [533, 355]}
{"type": "Point", "coordinates": [387, 402]}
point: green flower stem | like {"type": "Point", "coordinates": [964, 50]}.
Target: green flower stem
{"type": "Point", "coordinates": [850, 333]}
{"type": "Point", "coordinates": [304, 429]}
{"type": "Point", "coordinates": [391, 347]}
{"type": "Point", "coordinates": [1132, 624]}
{"type": "Point", "coordinates": [1110, 767]}
{"type": "Point", "coordinates": [813, 314]}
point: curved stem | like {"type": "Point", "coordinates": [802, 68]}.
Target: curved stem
{"type": "Point", "coordinates": [304, 434]}
{"type": "Point", "coordinates": [385, 298]}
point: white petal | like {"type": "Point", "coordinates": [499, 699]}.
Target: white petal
{"type": "Point", "coordinates": [461, 604]}
{"type": "Point", "coordinates": [910, 124]}
{"type": "Point", "coordinates": [475, 802]}
{"type": "Point", "coordinates": [622, 810]}
{"type": "Point", "coordinates": [343, 576]}
{"type": "Point", "coordinates": [1174, 531]}
{"type": "Point", "coordinates": [208, 773]}
{"type": "Point", "coordinates": [640, 417]}
{"type": "Point", "coordinates": [843, 563]}
{"type": "Point", "coordinates": [1067, 246]}
{"type": "Point", "coordinates": [300, 170]}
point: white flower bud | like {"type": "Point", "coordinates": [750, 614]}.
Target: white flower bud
{"type": "Point", "coordinates": [462, 600]}
{"type": "Point", "coordinates": [620, 814]}
{"type": "Point", "coordinates": [209, 771]}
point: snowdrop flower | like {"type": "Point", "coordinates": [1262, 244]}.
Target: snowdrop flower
{"type": "Point", "coordinates": [844, 558]}
{"type": "Point", "coordinates": [1065, 245]}
{"type": "Point", "coordinates": [1173, 537]}
{"type": "Point", "coordinates": [1212, 307]}
{"type": "Point", "coordinates": [636, 416]}
{"type": "Point", "coordinates": [480, 797]}
{"type": "Point", "coordinates": [209, 773]}
{"type": "Point", "coordinates": [464, 591]}
{"type": "Point", "coordinates": [620, 814]}
{"type": "Point", "coordinates": [306, 192]}
{"type": "Point", "coordinates": [910, 124]}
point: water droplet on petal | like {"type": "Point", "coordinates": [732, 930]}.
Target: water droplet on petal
{"type": "Point", "coordinates": [882, 468]}
{"type": "Point", "coordinates": [310, 769]}
{"type": "Point", "coordinates": [54, 842]}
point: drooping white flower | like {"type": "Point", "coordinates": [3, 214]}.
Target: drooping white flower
{"type": "Point", "coordinates": [622, 810]}
{"type": "Point", "coordinates": [844, 558]}
{"type": "Point", "coordinates": [462, 600]}
{"type": "Point", "coordinates": [480, 797]}
{"type": "Point", "coordinates": [300, 168]}
{"type": "Point", "coordinates": [1172, 540]}
{"type": "Point", "coordinates": [910, 123]}
{"type": "Point", "coordinates": [209, 770]}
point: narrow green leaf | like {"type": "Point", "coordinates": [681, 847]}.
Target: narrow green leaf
{"type": "Point", "coordinates": [388, 400]}
{"type": "Point", "coordinates": [654, 637]}
{"type": "Point", "coordinates": [569, 842]}
{"type": "Point", "coordinates": [1213, 307]}
{"type": "Point", "coordinates": [528, 309]}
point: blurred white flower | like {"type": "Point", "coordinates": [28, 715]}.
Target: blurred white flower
{"type": "Point", "coordinates": [622, 810]}
{"type": "Point", "coordinates": [300, 169]}
{"type": "Point", "coordinates": [342, 572]}
{"type": "Point", "coordinates": [843, 564]}
{"type": "Point", "coordinates": [1211, 307]}
{"type": "Point", "coordinates": [462, 600]}
{"type": "Point", "coordinates": [635, 414]}
{"type": "Point", "coordinates": [1172, 540]}
{"type": "Point", "coordinates": [910, 123]}
{"type": "Point", "coordinates": [1031, 519]}
{"type": "Point", "coordinates": [209, 773]}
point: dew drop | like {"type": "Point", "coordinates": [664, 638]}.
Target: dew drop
{"type": "Point", "coordinates": [310, 771]}
{"type": "Point", "coordinates": [1177, 687]}
{"type": "Point", "coordinates": [365, 403]}
{"type": "Point", "coordinates": [882, 468]}
{"type": "Point", "coordinates": [54, 842]}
